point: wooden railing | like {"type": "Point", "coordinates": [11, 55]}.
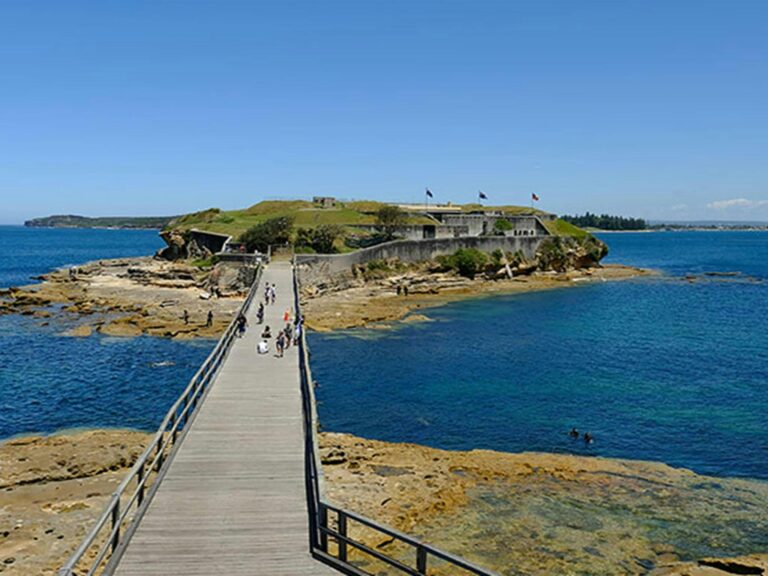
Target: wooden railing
{"type": "Point", "coordinates": [101, 549]}
{"type": "Point", "coordinates": [330, 526]}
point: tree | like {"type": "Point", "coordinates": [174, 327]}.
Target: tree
{"type": "Point", "coordinates": [320, 239]}
{"type": "Point", "coordinates": [389, 218]}
{"type": "Point", "coordinates": [272, 231]}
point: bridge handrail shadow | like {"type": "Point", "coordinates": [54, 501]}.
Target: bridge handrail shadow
{"type": "Point", "coordinates": [107, 539]}
{"type": "Point", "coordinates": [322, 531]}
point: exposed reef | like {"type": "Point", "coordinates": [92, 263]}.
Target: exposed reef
{"type": "Point", "coordinates": [131, 297]}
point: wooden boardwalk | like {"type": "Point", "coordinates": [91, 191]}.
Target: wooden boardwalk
{"type": "Point", "coordinates": [233, 501]}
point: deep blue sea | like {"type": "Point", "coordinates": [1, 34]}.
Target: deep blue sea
{"type": "Point", "coordinates": [667, 368]}
{"type": "Point", "coordinates": [50, 382]}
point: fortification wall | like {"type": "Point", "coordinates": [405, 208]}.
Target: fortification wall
{"type": "Point", "coordinates": [315, 268]}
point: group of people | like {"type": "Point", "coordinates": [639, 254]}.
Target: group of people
{"type": "Point", "coordinates": [270, 293]}
{"type": "Point", "coordinates": [587, 437]}
{"type": "Point", "coordinates": [288, 336]}
{"type": "Point", "coordinates": [208, 319]}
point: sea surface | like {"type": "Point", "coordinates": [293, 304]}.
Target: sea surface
{"type": "Point", "coordinates": [50, 382]}
{"type": "Point", "coordinates": [671, 368]}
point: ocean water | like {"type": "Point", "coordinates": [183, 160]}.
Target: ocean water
{"type": "Point", "coordinates": [672, 368]}
{"type": "Point", "coordinates": [50, 382]}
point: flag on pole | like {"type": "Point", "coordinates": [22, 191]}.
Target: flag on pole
{"type": "Point", "coordinates": [482, 196]}
{"type": "Point", "coordinates": [534, 197]}
{"type": "Point", "coordinates": [429, 193]}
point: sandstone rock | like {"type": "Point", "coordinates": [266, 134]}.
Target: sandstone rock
{"type": "Point", "coordinates": [82, 331]}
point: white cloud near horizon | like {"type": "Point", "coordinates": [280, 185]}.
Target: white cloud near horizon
{"type": "Point", "coordinates": [736, 203]}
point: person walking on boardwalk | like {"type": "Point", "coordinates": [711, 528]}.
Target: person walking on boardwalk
{"type": "Point", "coordinates": [273, 293]}
{"type": "Point", "coordinates": [288, 334]}
{"type": "Point", "coordinates": [280, 344]}
{"type": "Point", "coordinates": [297, 333]}
{"type": "Point", "coordinates": [287, 315]}
{"type": "Point", "coordinates": [209, 320]}
{"type": "Point", "coordinates": [260, 313]}
{"type": "Point", "coordinates": [242, 324]}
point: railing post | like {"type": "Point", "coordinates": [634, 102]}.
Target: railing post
{"type": "Point", "coordinates": [323, 524]}
{"type": "Point", "coordinates": [140, 477]}
{"type": "Point", "coordinates": [159, 453]}
{"type": "Point", "coordinates": [342, 532]}
{"type": "Point", "coordinates": [116, 522]}
{"type": "Point", "coordinates": [184, 409]}
{"type": "Point", "coordinates": [173, 427]}
{"type": "Point", "coordinates": [421, 560]}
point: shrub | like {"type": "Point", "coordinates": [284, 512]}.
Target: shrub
{"type": "Point", "coordinates": [466, 261]}
{"type": "Point", "coordinates": [502, 225]}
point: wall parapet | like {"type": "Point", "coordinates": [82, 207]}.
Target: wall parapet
{"type": "Point", "coordinates": [314, 267]}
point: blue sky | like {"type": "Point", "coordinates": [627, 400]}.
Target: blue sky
{"type": "Point", "coordinates": [645, 108]}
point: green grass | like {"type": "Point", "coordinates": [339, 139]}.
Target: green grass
{"type": "Point", "coordinates": [308, 215]}
{"type": "Point", "coordinates": [305, 214]}
{"type": "Point", "coordinates": [562, 228]}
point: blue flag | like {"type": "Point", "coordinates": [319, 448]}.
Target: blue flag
{"type": "Point", "coordinates": [429, 193]}
{"type": "Point", "coordinates": [483, 196]}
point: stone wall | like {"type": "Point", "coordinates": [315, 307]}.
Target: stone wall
{"type": "Point", "coordinates": [314, 268]}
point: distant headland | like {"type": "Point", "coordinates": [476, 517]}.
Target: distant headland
{"type": "Point", "coordinates": [122, 222]}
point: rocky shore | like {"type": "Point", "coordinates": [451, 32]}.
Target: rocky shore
{"type": "Point", "coordinates": [131, 297]}
{"type": "Point", "coordinates": [528, 513]}
{"type": "Point", "coordinates": [543, 514]}
{"type": "Point", "coordinates": [378, 299]}
{"type": "Point", "coordinates": [53, 488]}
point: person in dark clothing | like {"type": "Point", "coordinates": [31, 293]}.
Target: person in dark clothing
{"type": "Point", "coordinates": [185, 317]}
{"type": "Point", "coordinates": [573, 433]}
{"type": "Point", "coordinates": [209, 321]}
{"type": "Point", "coordinates": [242, 324]}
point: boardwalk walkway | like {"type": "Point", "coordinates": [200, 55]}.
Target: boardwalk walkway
{"type": "Point", "coordinates": [233, 500]}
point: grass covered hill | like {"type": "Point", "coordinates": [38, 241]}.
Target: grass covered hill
{"type": "Point", "coordinates": [305, 214]}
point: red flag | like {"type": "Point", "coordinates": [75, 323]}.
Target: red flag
{"type": "Point", "coordinates": [534, 197]}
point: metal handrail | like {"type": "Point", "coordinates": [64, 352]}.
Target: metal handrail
{"type": "Point", "coordinates": [153, 463]}
{"type": "Point", "coordinates": [320, 530]}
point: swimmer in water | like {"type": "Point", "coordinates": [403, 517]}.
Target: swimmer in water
{"type": "Point", "coordinates": [573, 433]}
{"type": "Point", "coordinates": [588, 439]}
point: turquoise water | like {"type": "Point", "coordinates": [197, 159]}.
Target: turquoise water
{"type": "Point", "coordinates": [50, 382]}
{"type": "Point", "coordinates": [668, 368]}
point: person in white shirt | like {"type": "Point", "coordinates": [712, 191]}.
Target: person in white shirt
{"type": "Point", "coordinates": [262, 347]}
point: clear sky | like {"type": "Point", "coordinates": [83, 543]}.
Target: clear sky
{"type": "Point", "coordinates": [644, 108]}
